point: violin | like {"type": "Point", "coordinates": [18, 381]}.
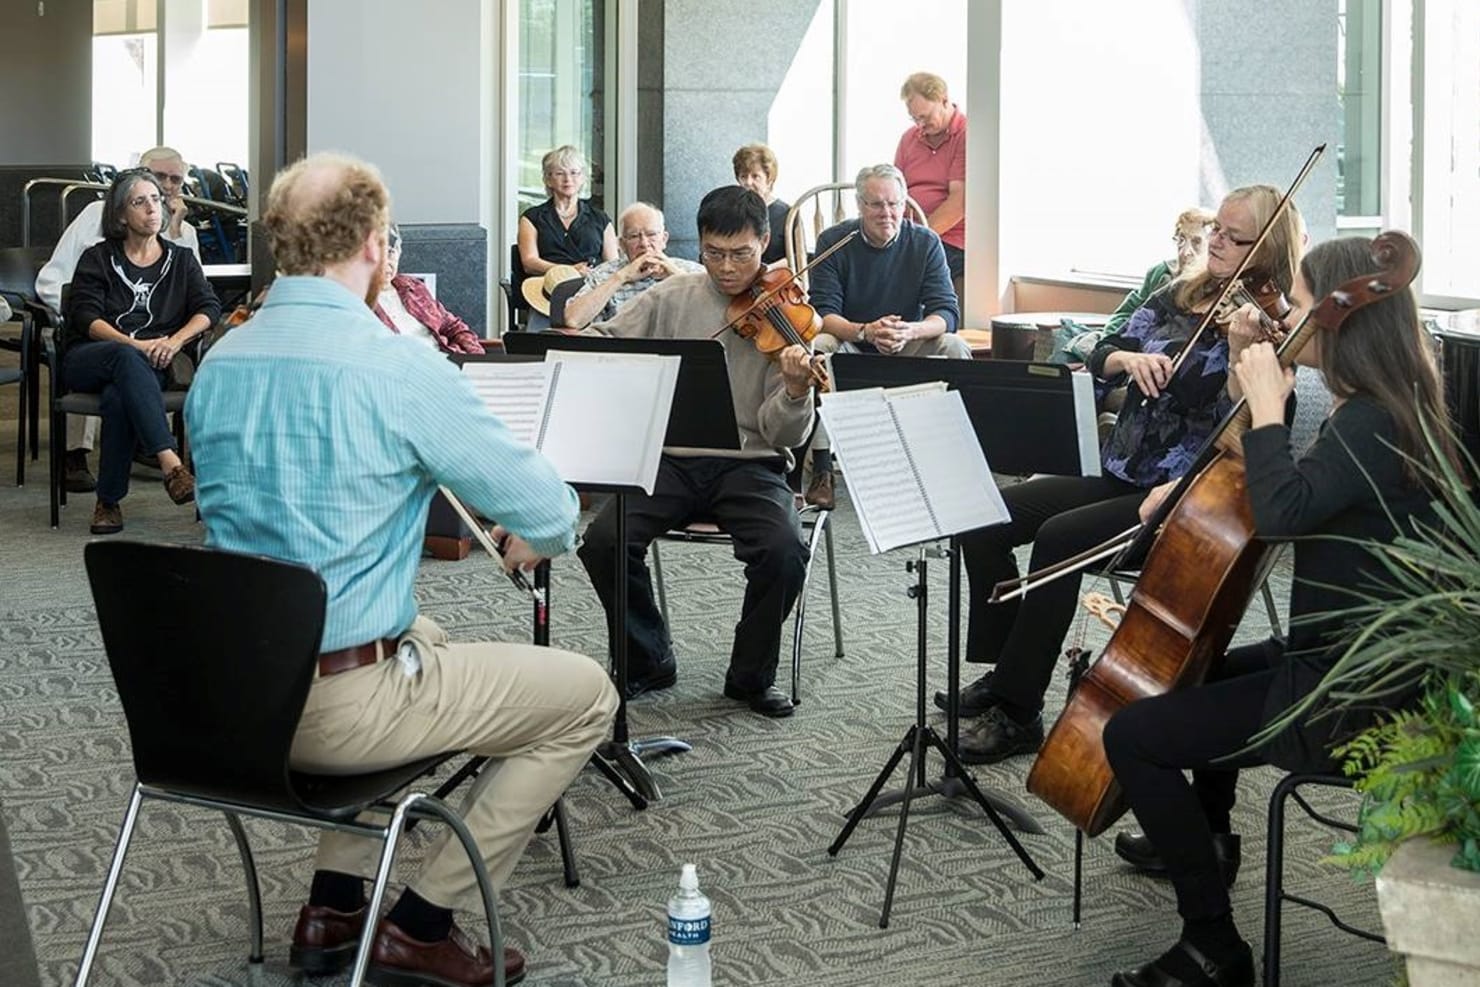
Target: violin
{"type": "Point", "coordinates": [1258, 288]}
{"type": "Point", "coordinates": [773, 314]}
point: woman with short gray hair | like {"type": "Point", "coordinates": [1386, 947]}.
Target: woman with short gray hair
{"type": "Point", "coordinates": [565, 229]}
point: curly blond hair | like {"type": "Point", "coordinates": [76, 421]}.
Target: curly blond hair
{"type": "Point", "coordinates": [320, 209]}
{"type": "Point", "coordinates": [927, 85]}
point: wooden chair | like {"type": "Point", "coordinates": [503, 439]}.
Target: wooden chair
{"type": "Point", "coordinates": [821, 207]}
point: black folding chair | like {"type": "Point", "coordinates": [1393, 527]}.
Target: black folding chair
{"type": "Point", "coordinates": [213, 666]}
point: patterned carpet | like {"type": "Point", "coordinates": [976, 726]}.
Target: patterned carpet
{"type": "Point", "coordinates": [755, 805]}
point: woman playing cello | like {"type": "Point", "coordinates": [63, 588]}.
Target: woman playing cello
{"type": "Point", "coordinates": [1165, 420]}
{"type": "Point", "coordinates": [1359, 481]}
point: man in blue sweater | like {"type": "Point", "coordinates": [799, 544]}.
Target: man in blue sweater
{"type": "Point", "coordinates": [888, 292]}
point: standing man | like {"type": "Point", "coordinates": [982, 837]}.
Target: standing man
{"type": "Point", "coordinates": [932, 155]}
{"type": "Point", "coordinates": [168, 169]}
{"type": "Point", "coordinates": [309, 450]}
{"type": "Point", "coordinates": [888, 292]}
{"type": "Point", "coordinates": [744, 492]}
{"type": "Point", "coordinates": [612, 284]}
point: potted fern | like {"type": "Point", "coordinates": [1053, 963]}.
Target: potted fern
{"type": "Point", "coordinates": [1419, 769]}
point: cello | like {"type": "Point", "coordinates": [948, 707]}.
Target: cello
{"type": "Point", "coordinates": [1197, 579]}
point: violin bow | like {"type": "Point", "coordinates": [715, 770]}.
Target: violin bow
{"type": "Point", "coordinates": [490, 546]}
{"type": "Point", "coordinates": [1243, 265]}
{"type": "Point", "coordinates": [766, 296]}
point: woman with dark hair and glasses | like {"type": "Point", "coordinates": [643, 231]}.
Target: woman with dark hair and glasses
{"type": "Point", "coordinates": [136, 300]}
{"type": "Point", "coordinates": [408, 309]}
{"type": "Point", "coordinates": [1162, 424]}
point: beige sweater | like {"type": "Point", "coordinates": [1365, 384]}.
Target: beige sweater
{"type": "Point", "coordinates": [688, 306]}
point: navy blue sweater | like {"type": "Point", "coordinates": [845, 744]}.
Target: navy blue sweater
{"type": "Point", "coordinates": [908, 278]}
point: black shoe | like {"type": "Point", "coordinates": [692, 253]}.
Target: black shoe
{"type": "Point", "coordinates": [1136, 850]}
{"type": "Point", "coordinates": [1184, 965]}
{"type": "Point", "coordinates": [659, 676]}
{"type": "Point", "coordinates": [974, 700]}
{"type": "Point", "coordinates": [77, 478]}
{"type": "Point", "coordinates": [994, 736]}
{"type": "Point", "coordinates": [769, 701]}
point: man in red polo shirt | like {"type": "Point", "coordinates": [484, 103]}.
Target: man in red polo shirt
{"type": "Point", "coordinates": [932, 155]}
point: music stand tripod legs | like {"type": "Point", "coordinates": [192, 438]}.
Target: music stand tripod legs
{"type": "Point", "coordinates": [917, 739]}
{"type": "Point", "coordinates": [621, 753]}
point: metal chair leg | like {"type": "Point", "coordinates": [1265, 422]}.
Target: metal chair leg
{"type": "Point", "coordinates": [799, 621]}
{"type": "Point", "coordinates": [567, 848]}
{"type": "Point", "coordinates": [658, 583]}
{"type": "Point", "coordinates": [254, 890]}
{"type": "Point", "coordinates": [1274, 886]}
{"type": "Point", "coordinates": [480, 871]}
{"type": "Point", "coordinates": [832, 583]}
{"type": "Point", "coordinates": [95, 934]}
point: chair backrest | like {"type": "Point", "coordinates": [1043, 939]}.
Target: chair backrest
{"type": "Point", "coordinates": [819, 208]}
{"type": "Point", "coordinates": [1312, 407]}
{"type": "Point", "coordinates": [213, 654]}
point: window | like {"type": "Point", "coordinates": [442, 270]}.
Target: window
{"type": "Point", "coordinates": [1447, 133]}
{"type": "Point", "coordinates": [562, 82]}
{"type": "Point", "coordinates": [1359, 206]}
{"type": "Point", "coordinates": [125, 80]}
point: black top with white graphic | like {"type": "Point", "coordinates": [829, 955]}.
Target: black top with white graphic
{"type": "Point", "coordinates": [142, 302]}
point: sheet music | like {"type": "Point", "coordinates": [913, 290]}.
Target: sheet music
{"type": "Point", "coordinates": [913, 465]}
{"type": "Point", "coordinates": [1086, 422]}
{"type": "Point", "coordinates": [953, 473]}
{"type": "Point", "coordinates": [515, 392]}
{"type": "Point", "coordinates": [607, 413]}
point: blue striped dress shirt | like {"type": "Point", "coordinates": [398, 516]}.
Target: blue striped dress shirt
{"type": "Point", "coordinates": [319, 437]}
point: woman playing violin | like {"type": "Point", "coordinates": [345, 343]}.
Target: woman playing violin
{"type": "Point", "coordinates": [1164, 421]}
{"type": "Point", "coordinates": [744, 491]}
{"type": "Point", "coordinates": [1358, 481]}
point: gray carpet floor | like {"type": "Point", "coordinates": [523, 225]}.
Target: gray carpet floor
{"type": "Point", "coordinates": [755, 804]}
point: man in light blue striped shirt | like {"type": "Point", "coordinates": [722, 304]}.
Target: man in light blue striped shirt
{"type": "Point", "coordinates": [319, 438]}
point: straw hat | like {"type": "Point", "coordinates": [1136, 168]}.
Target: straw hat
{"type": "Point", "coordinates": [537, 290]}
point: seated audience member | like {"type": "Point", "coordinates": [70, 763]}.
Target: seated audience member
{"type": "Point", "coordinates": [169, 168]}
{"type": "Point", "coordinates": [137, 299]}
{"type": "Point", "coordinates": [756, 169]}
{"type": "Point", "coordinates": [565, 229]}
{"type": "Point", "coordinates": [888, 292]}
{"type": "Point", "coordinates": [292, 417]}
{"type": "Point", "coordinates": [408, 308]}
{"type": "Point", "coordinates": [643, 264]}
{"type": "Point", "coordinates": [1190, 234]}
{"type": "Point", "coordinates": [745, 492]}
{"type": "Point", "coordinates": [1164, 421]}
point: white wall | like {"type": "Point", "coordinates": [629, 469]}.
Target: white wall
{"type": "Point", "coordinates": [398, 84]}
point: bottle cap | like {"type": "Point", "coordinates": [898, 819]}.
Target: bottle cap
{"type": "Point", "coordinates": [688, 878]}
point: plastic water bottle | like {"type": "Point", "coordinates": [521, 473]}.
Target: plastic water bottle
{"type": "Point", "coordinates": [688, 933]}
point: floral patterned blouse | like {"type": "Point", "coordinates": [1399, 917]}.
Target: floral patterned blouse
{"type": "Point", "coordinates": [1156, 440]}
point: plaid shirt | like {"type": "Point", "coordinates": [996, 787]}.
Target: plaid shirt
{"type": "Point", "coordinates": [452, 333]}
{"type": "Point", "coordinates": [608, 270]}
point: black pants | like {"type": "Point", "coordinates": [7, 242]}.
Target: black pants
{"type": "Point", "coordinates": [751, 502]}
{"type": "Point", "coordinates": [1061, 516]}
{"type": "Point", "coordinates": [1151, 742]}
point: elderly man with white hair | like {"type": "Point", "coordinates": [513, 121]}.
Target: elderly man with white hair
{"type": "Point", "coordinates": [611, 285]}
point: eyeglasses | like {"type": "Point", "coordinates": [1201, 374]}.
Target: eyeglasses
{"type": "Point", "coordinates": [1216, 230]}
{"type": "Point", "coordinates": [744, 255]}
{"type": "Point", "coordinates": [634, 236]}
{"type": "Point", "coordinates": [880, 205]}
{"type": "Point", "coordinates": [565, 173]}
{"type": "Point", "coordinates": [165, 178]}
{"type": "Point", "coordinates": [140, 201]}
{"type": "Point", "coordinates": [1195, 242]}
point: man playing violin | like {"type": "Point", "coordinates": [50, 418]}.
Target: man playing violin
{"type": "Point", "coordinates": [888, 291]}
{"type": "Point", "coordinates": [743, 491]}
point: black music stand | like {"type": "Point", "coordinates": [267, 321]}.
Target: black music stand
{"type": "Point", "coordinates": [1028, 418]}
{"type": "Point", "coordinates": [702, 416]}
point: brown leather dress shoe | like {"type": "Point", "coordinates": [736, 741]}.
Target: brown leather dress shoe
{"type": "Point", "coordinates": [180, 485]}
{"type": "Point", "coordinates": [325, 940]}
{"type": "Point", "coordinates": [107, 519]}
{"type": "Point", "coordinates": [401, 961]}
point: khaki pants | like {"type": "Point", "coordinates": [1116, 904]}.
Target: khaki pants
{"type": "Point", "coordinates": [539, 712]}
{"type": "Point", "coordinates": [82, 432]}
{"type": "Point", "coordinates": [947, 344]}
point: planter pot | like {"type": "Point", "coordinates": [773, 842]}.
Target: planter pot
{"type": "Point", "coordinates": [1431, 914]}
